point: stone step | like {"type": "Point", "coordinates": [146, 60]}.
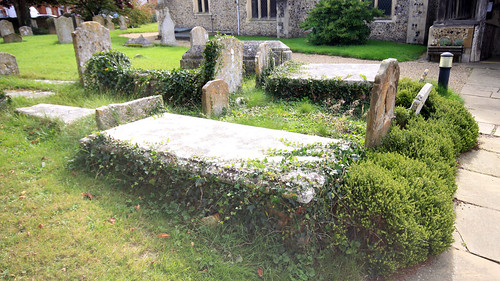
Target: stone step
{"type": "Point", "coordinates": [67, 114]}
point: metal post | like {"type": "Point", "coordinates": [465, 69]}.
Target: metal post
{"type": "Point", "coordinates": [445, 64]}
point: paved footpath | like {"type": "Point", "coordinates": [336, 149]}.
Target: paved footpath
{"type": "Point", "coordinates": [475, 254]}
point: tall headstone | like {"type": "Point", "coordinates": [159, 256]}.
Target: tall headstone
{"type": "Point", "coordinates": [25, 31]}
{"type": "Point", "coordinates": [6, 28]}
{"type": "Point", "coordinates": [99, 19]}
{"type": "Point", "coordinates": [382, 102]}
{"type": "Point", "coordinates": [88, 39]}
{"type": "Point", "coordinates": [215, 97]}
{"type": "Point", "coordinates": [11, 38]}
{"type": "Point", "coordinates": [199, 36]}
{"type": "Point", "coordinates": [109, 23]}
{"type": "Point", "coordinates": [166, 27]}
{"type": "Point", "coordinates": [8, 64]}
{"type": "Point", "coordinates": [420, 99]}
{"type": "Point", "coordinates": [122, 20]}
{"type": "Point", "coordinates": [229, 67]}
{"type": "Point", "coordinates": [64, 28]}
{"type": "Point", "coordinates": [264, 59]}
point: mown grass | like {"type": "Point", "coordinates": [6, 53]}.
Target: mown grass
{"type": "Point", "coordinates": [372, 50]}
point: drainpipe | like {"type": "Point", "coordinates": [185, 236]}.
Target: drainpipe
{"type": "Point", "coordinates": [238, 14]}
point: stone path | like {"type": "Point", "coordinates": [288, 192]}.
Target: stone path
{"type": "Point", "coordinates": [475, 254]}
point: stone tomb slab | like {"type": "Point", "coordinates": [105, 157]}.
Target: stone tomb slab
{"type": "Point", "coordinates": [67, 114]}
{"type": "Point", "coordinates": [346, 72]}
{"type": "Point", "coordinates": [28, 94]}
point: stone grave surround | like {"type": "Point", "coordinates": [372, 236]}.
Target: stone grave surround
{"type": "Point", "coordinates": [229, 66]}
{"type": "Point", "coordinates": [88, 39]}
{"type": "Point", "coordinates": [64, 28]}
{"type": "Point", "coordinates": [138, 42]}
{"type": "Point", "coordinates": [263, 59]}
{"type": "Point", "coordinates": [382, 102]}
{"type": "Point", "coordinates": [8, 64]}
{"type": "Point", "coordinates": [6, 28]}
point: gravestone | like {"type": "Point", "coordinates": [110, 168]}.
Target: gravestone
{"type": "Point", "coordinates": [215, 97]}
{"type": "Point", "coordinates": [64, 28]}
{"type": "Point", "coordinates": [88, 39]}
{"type": "Point", "coordinates": [115, 114]}
{"type": "Point", "coordinates": [99, 19]}
{"type": "Point", "coordinates": [6, 28]}
{"type": "Point", "coordinates": [123, 22]}
{"type": "Point", "coordinates": [382, 103]}
{"type": "Point", "coordinates": [282, 53]}
{"type": "Point", "coordinates": [229, 66]}
{"type": "Point", "coordinates": [199, 36]}
{"type": "Point", "coordinates": [109, 23]}
{"type": "Point", "coordinates": [51, 26]}
{"type": "Point", "coordinates": [8, 64]}
{"type": "Point", "coordinates": [420, 99]}
{"type": "Point", "coordinates": [263, 60]}
{"type": "Point", "coordinates": [11, 38]}
{"type": "Point", "coordinates": [78, 21]}
{"type": "Point", "coordinates": [166, 27]}
{"type": "Point", "coordinates": [25, 31]}
{"type": "Point", "coordinates": [193, 57]}
{"type": "Point", "coordinates": [138, 42]}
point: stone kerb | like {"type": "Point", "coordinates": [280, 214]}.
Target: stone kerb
{"type": "Point", "coordinates": [263, 59]}
{"type": "Point", "coordinates": [115, 114]}
{"type": "Point", "coordinates": [123, 22]}
{"type": "Point", "coordinates": [420, 99]}
{"type": "Point", "coordinates": [198, 36]}
{"type": "Point", "coordinates": [166, 27]}
{"type": "Point", "coordinates": [6, 28]}
{"type": "Point", "coordinates": [229, 66]}
{"type": "Point", "coordinates": [25, 31]}
{"type": "Point", "coordinates": [99, 19]}
{"type": "Point", "coordinates": [109, 23]}
{"type": "Point", "coordinates": [382, 103]}
{"type": "Point", "coordinates": [8, 64]}
{"type": "Point", "coordinates": [88, 39]}
{"type": "Point", "coordinates": [215, 97]}
{"type": "Point", "coordinates": [64, 28]}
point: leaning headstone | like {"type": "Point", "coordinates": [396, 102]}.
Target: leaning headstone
{"type": "Point", "coordinates": [64, 28]}
{"type": "Point", "coordinates": [115, 114]}
{"type": "Point", "coordinates": [25, 31]}
{"type": "Point", "coordinates": [109, 23]}
{"type": "Point", "coordinates": [167, 27]}
{"type": "Point", "coordinates": [215, 97]}
{"type": "Point", "coordinates": [199, 36]}
{"type": "Point", "coordinates": [88, 39]}
{"type": "Point", "coordinates": [382, 103]}
{"type": "Point", "coordinates": [420, 99]}
{"type": "Point", "coordinates": [6, 28]}
{"type": "Point", "coordinates": [123, 22]}
{"type": "Point", "coordinates": [8, 64]}
{"type": "Point", "coordinates": [138, 42]}
{"type": "Point", "coordinates": [99, 19]}
{"type": "Point", "coordinates": [11, 38]}
{"type": "Point", "coordinates": [263, 60]}
{"type": "Point", "coordinates": [229, 66]}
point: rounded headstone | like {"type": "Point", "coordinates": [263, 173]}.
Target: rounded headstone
{"type": "Point", "coordinates": [199, 36]}
{"type": "Point", "coordinates": [8, 64]}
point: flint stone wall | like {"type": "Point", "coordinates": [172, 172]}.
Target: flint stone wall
{"type": "Point", "coordinates": [8, 64]}
{"type": "Point", "coordinates": [64, 28]}
{"type": "Point", "coordinates": [88, 39]}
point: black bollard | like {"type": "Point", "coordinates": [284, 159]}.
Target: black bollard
{"type": "Point", "coordinates": [444, 69]}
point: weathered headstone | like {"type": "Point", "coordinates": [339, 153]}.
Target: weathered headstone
{"type": "Point", "coordinates": [88, 39]}
{"type": "Point", "coordinates": [199, 36]}
{"type": "Point", "coordinates": [25, 31]}
{"type": "Point", "coordinates": [420, 99]}
{"type": "Point", "coordinates": [263, 59]}
{"type": "Point", "coordinates": [99, 19]}
{"type": "Point", "coordinates": [122, 20]}
{"type": "Point", "coordinates": [215, 97]}
{"type": "Point", "coordinates": [8, 64]}
{"type": "Point", "coordinates": [138, 42]}
{"type": "Point", "coordinates": [382, 103]}
{"type": "Point", "coordinates": [229, 66]}
{"type": "Point", "coordinates": [115, 114]}
{"type": "Point", "coordinates": [109, 23]}
{"type": "Point", "coordinates": [6, 28]}
{"type": "Point", "coordinates": [282, 53]}
{"type": "Point", "coordinates": [64, 28]}
{"type": "Point", "coordinates": [78, 21]}
{"type": "Point", "coordinates": [11, 38]}
{"type": "Point", "coordinates": [193, 57]}
{"type": "Point", "coordinates": [51, 26]}
{"type": "Point", "coordinates": [166, 27]}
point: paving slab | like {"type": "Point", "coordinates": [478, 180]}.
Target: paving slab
{"type": "Point", "coordinates": [478, 189]}
{"type": "Point", "coordinates": [489, 143]}
{"type": "Point", "coordinates": [455, 265]}
{"type": "Point", "coordinates": [497, 132]}
{"type": "Point", "coordinates": [346, 72]}
{"type": "Point", "coordinates": [485, 110]}
{"type": "Point", "coordinates": [480, 230]}
{"type": "Point", "coordinates": [29, 94]}
{"type": "Point", "coordinates": [68, 114]}
{"type": "Point", "coordinates": [476, 90]}
{"type": "Point", "coordinates": [496, 95]}
{"type": "Point", "coordinates": [484, 76]}
{"type": "Point", "coordinates": [485, 128]}
{"type": "Point", "coordinates": [481, 161]}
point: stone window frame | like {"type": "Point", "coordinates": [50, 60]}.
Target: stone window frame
{"type": "Point", "coordinates": [204, 9]}
{"type": "Point", "coordinates": [385, 17]}
{"type": "Point", "coordinates": [259, 18]}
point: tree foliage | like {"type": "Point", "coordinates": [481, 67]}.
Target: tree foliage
{"type": "Point", "coordinates": [340, 22]}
